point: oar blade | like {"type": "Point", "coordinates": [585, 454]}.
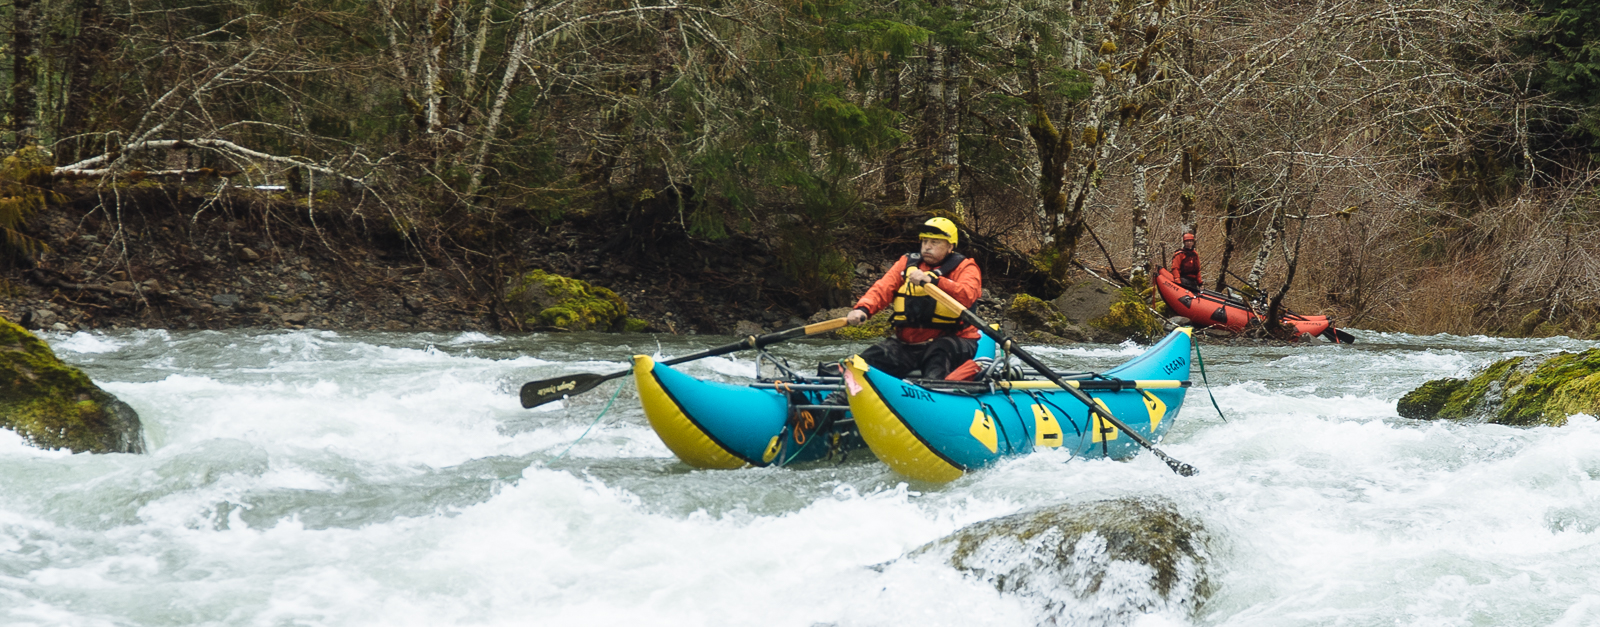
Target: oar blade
{"type": "Point", "coordinates": [536, 393]}
{"type": "Point", "coordinates": [1183, 470]}
{"type": "Point", "coordinates": [1338, 336]}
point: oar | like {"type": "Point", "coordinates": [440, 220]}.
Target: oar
{"type": "Point", "coordinates": [1000, 338]}
{"type": "Point", "coordinates": [536, 393]}
{"type": "Point", "coordinates": [1223, 299]}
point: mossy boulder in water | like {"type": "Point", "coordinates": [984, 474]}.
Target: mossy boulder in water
{"type": "Point", "coordinates": [1102, 563]}
{"type": "Point", "coordinates": [542, 299]}
{"type": "Point", "coordinates": [53, 405]}
{"type": "Point", "coordinates": [1520, 391]}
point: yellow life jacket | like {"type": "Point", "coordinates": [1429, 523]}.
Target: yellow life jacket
{"type": "Point", "coordinates": [914, 308]}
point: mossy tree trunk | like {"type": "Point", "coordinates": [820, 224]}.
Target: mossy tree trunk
{"type": "Point", "coordinates": [1275, 309]}
{"type": "Point", "coordinates": [1140, 266]}
{"type": "Point", "coordinates": [894, 177]}
{"type": "Point", "coordinates": [88, 51]}
{"type": "Point", "coordinates": [25, 37]}
{"type": "Point", "coordinates": [1264, 254]}
{"type": "Point", "coordinates": [1230, 219]}
{"type": "Point", "coordinates": [941, 188]}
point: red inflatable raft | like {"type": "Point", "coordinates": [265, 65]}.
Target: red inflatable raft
{"type": "Point", "coordinates": [1214, 309]}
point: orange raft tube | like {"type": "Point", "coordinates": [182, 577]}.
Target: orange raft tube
{"type": "Point", "coordinates": [1210, 308]}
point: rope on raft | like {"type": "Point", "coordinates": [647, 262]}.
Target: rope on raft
{"type": "Point", "coordinates": [1202, 362]}
{"type": "Point", "coordinates": [603, 411]}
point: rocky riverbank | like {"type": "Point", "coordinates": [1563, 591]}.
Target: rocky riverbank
{"type": "Point", "coordinates": [168, 257]}
{"type": "Point", "coordinates": [172, 258]}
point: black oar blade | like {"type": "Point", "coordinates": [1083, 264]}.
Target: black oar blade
{"type": "Point", "coordinates": [1183, 470]}
{"type": "Point", "coordinates": [536, 393]}
{"type": "Point", "coordinates": [1337, 336]}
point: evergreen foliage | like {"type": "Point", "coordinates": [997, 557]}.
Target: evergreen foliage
{"type": "Point", "coordinates": [1564, 35]}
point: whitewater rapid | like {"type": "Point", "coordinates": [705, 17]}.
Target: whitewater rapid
{"type": "Point", "coordinates": [321, 478]}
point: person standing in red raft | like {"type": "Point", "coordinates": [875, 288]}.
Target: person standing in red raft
{"type": "Point", "coordinates": [927, 335]}
{"type": "Point", "coordinates": [1186, 263]}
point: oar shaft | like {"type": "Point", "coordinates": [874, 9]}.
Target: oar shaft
{"type": "Point", "coordinates": [536, 393]}
{"type": "Point", "coordinates": [1099, 384]}
{"type": "Point", "coordinates": [1286, 312]}
{"type": "Point", "coordinates": [1224, 300]}
{"type": "Point", "coordinates": [758, 341]}
{"type": "Point", "coordinates": [1112, 385]}
{"type": "Point", "coordinates": [1005, 342]}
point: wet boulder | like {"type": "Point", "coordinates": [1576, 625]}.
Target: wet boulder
{"type": "Point", "coordinates": [55, 406]}
{"type": "Point", "coordinates": [1042, 321]}
{"type": "Point", "coordinates": [1102, 563]}
{"type": "Point", "coordinates": [1085, 300]}
{"type": "Point", "coordinates": [541, 299]}
{"type": "Point", "coordinates": [1520, 391]}
{"type": "Point", "coordinates": [1089, 311]}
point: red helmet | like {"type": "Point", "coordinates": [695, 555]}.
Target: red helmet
{"type": "Point", "coordinates": [1188, 237]}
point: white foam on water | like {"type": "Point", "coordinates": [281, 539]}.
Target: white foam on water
{"type": "Point", "coordinates": [13, 445]}
{"type": "Point", "coordinates": [87, 343]}
{"type": "Point", "coordinates": [1450, 519]}
{"type": "Point", "coordinates": [469, 338]}
{"type": "Point", "coordinates": [1127, 348]}
{"type": "Point", "coordinates": [1326, 507]}
{"type": "Point", "coordinates": [729, 367]}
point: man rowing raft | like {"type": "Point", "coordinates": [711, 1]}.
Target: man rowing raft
{"type": "Point", "coordinates": [927, 335]}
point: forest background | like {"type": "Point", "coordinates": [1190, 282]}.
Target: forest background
{"type": "Point", "coordinates": [1417, 166]}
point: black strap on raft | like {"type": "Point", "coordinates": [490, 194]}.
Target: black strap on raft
{"type": "Point", "coordinates": [1065, 417]}
{"type": "Point", "coordinates": [1200, 360]}
{"type": "Point", "coordinates": [1000, 429]}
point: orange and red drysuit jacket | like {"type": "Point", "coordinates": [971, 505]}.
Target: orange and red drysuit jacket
{"type": "Point", "coordinates": [1186, 263]}
{"type": "Point", "coordinates": [964, 283]}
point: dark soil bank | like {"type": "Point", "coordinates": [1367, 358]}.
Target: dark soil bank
{"type": "Point", "coordinates": [162, 256]}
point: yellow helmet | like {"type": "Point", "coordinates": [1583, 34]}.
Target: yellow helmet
{"type": "Point", "coordinates": [939, 228]}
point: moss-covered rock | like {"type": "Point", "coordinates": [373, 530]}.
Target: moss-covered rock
{"type": "Point", "coordinates": [1032, 314]}
{"type": "Point", "coordinates": [1563, 385]}
{"type": "Point", "coordinates": [1130, 316]}
{"type": "Point", "coordinates": [1520, 391]}
{"type": "Point", "coordinates": [542, 299]}
{"type": "Point", "coordinates": [53, 405]}
{"type": "Point", "coordinates": [1426, 402]}
{"type": "Point", "coordinates": [1102, 563]}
